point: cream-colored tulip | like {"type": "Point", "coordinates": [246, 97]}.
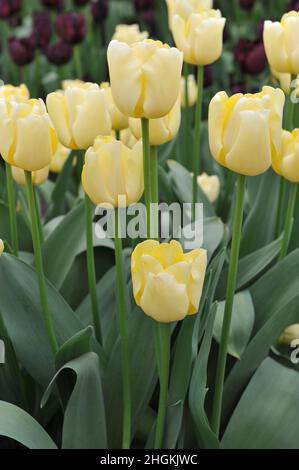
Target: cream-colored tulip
{"type": "Point", "coordinates": [128, 138]}
{"type": "Point", "coordinates": [160, 130]}
{"type": "Point", "coordinates": [1, 247]}
{"type": "Point", "coordinates": [281, 40]}
{"type": "Point", "coordinates": [245, 130]}
{"type": "Point", "coordinates": [16, 93]}
{"type": "Point", "coordinates": [286, 162]}
{"type": "Point", "coordinates": [38, 177]}
{"type": "Point", "coordinates": [192, 91]}
{"type": "Point", "coordinates": [73, 83]}
{"type": "Point", "coordinates": [119, 120]}
{"type": "Point", "coordinates": [199, 35]}
{"type": "Point", "coordinates": [113, 171]}
{"type": "Point", "coordinates": [129, 33]}
{"type": "Point", "coordinates": [210, 185]}
{"type": "Point", "coordinates": [28, 139]}
{"type": "Point", "coordinates": [79, 115]}
{"type": "Point", "coordinates": [145, 77]}
{"type": "Point", "coordinates": [284, 80]}
{"type": "Point", "coordinates": [290, 334]}
{"type": "Point", "coordinates": [188, 5]}
{"type": "Point", "coordinates": [167, 283]}
{"type": "Point", "coordinates": [59, 158]}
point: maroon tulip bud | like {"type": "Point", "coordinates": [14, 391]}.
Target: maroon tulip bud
{"type": "Point", "coordinates": [260, 30]}
{"type": "Point", "coordinates": [81, 3]}
{"type": "Point", "coordinates": [9, 8]}
{"type": "Point", "coordinates": [53, 4]}
{"type": "Point", "coordinates": [251, 56]}
{"type": "Point", "coordinates": [71, 27]}
{"type": "Point", "coordinates": [148, 17]}
{"type": "Point", "coordinates": [22, 50]}
{"type": "Point", "coordinates": [42, 28]}
{"type": "Point", "coordinates": [294, 5]}
{"type": "Point", "coordinates": [59, 53]}
{"type": "Point", "coordinates": [100, 10]}
{"type": "Point", "coordinates": [142, 5]}
{"type": "Point", "coordinates": [247, 4]}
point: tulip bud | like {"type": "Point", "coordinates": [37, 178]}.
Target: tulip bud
{"type": "Point", "coordinates": [119, 120]}
{"type": "Point", "coordinates": [112, 171]}
{"type": "Point", "coordinates": [1, 247]}
{"type": "Point", "coordinates": [9, 8]}
{"type": "Point", "coordinates": [59, 53]}
{"type": "Point", "coordinates": [199, 34]}
{"type": "Point", "coordinates": [192, 91]}
{"type": "Point", "coordinates": [79, 115]}
{"type": "Point", "coordinates": [210, 185]}
{"type": "Point", "coordinates": [167, 283]}
{"type": "Point", "coordinates": [160, 130]}
{"type": "Point", "coordinates": [71, 27]}
{"type": "Point", "coordinates": [129, 33]}
{"type": "Point", "coordinates": [100, 10]}
{"type": "Point", "coordinates": [245, 130]}
{"type": "Point", "coordinates": [28, 139]}
{"type": "Point", "coordinates": [42, 28]}
{"type": "Point", "coordinates": [247, 4]}
{"type": "Point", "coordinates": [151, 76]}
{"type": "Point", "coordinates": [251, 56]}
{"type": "Point", "coordinates": [286, 162]}
{"type": "Point", "coordinates": [281, 43]}
{"type": "Point", "coordinates": [38, 177]}
{"type": "Point", "coordinates": [59, 158]}
{"type": "Point", "coordinates": [187, 6]}
{"type": "Point", "coordinates": [53, 4]}
{"type": "Point", "coordinates": [22, 50]}
{"type": "Point", "coordinates": [289, 335]}
{"type": "Point", "coordinates": [15, 93]}
{"type": "Point", "coordinates": [293, 5]}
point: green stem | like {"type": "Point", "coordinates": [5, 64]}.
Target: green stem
{"type": "Point", "coordinates": [92, 281]}
{"type": "Point", "coordinates": [37, 208]}
{"type": "Point", "coordinates": [12, 209]}
{"type": "Point", "coordinates": [281, 202]}
{"type": "Point", "coordinates": [289, 222]}
{"type": "Point", "coordinates": [230, 293]}
{"type": "Point", "coordinates": [197, 137]}
{"type": "Point", "coordinates": [154, 192]}
{"type": "Point", "coordinates": [186, 75]}
{"type": "Point", "coordinates": [163, 334]}
{"type": "Point", "coordinates": [146, 172]}
{"type": "Point", "coordinates": [39, 263]}
{"type": "Point", "coordinates": [78, 63]}
{"type": "Point", "coordinates": [123, 328]}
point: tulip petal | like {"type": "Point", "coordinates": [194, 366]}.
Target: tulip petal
{"type": "Point", "coordinates": [217, 112]}
{"type": "Point", "coordinates": [274, 41]}
{"type": "Point", "coordinates": [57, 108]}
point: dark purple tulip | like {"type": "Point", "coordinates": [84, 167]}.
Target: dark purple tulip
{"type": "Point", "coordinates": [59, 53]}
{"type": "Point", "coordinates": [142, 5]}
{"type": "Point", "coordinates": [247, 4]}
{"type": "Point", "coordinates": [81, 3]}
{"type": "Point", "coordinates": [251, 56]}
{"type": "Point", "coordinates": [71, 27]}
{"type": "Point", "coordinates": [148, 17]}
{"type": "Point", "coordinates": [294, 5]}
{"type": "Point", "coordinates": [208, 76]}
{"type": "Point", "coordinates": [9, 8]}
{"type": "Point", "coordinates": [42, 28]}
{"type": "Point", "coordinates": [260, 30]}
{"type": "Point", "coordinates": [54, 4]}
{"type": "Point", "coordinates": [22, 50]}
{"type": "Point", "coordinates": [100, 10]}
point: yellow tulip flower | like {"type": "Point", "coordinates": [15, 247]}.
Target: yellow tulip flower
{"type": "Point", "coordinates": [281, 40]}
{"type": "Point", "coordinates": [145, 77]}
{"type": "Point", "coordinates": [28, 139]}
{"type": "Point", "coordinates": [290, 334]}
{"type": "Point", "coordinates": [210, 185]}
{"type": "Point", "coordinates": [198, 34]}
{"type": "Point", "coordinates": [286, 162]}
{"type": "Point", "coordinates": [118, 119]}
{"type": "Point", "coordinates": [16, 93]}
{"type": "Point", "coordinates": [79, 115]}
{"type": "Point", "coordinates": [167, 282]}
{"type": "Point", "coordinates": [129, 33]}
{"type": "Point", "coordinates": [59, 158]}
{"type": "Point", "coordinates": [188, 5]}
{"type": "Point", "coordinates": [160, 130]}
{"type": "Point", "coordinates": [38, 177]}
{"type": "Point", "coordinates": [1, 247]}
{"type": "Point", "coordinates": [112, 170]}
{"type": "Point", "coordinates": [192, 91]}
{"type": "Point", "coordinates": [245, 130]}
